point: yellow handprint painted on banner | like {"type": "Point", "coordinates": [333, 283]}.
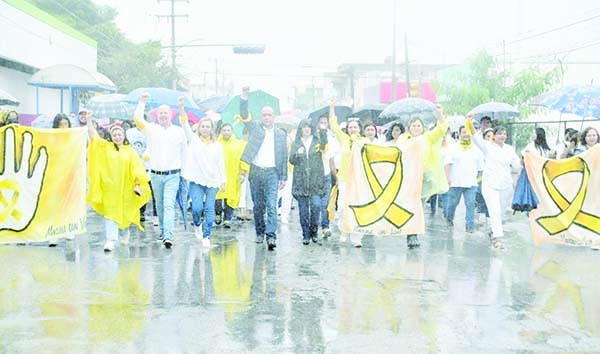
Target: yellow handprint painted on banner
{"type": "Point", "coordinates": [20, 183]}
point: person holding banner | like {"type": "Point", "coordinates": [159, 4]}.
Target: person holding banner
{"type": "Point", "coordinates": [118, 183]}
{"type": "Point", "coordinates": [354, 134]}
{"type": "Point", "coordinates": [308, 185]}
{"type": "Point", "coordinates": [497, 181]}
{"type": "Point", "coordinates": [434, 176]}
{"type": "Point", "coordinates": [589, 138]}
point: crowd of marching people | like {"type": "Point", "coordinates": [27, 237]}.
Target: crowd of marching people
{"type": "Point", "coordinates": [255, 178]}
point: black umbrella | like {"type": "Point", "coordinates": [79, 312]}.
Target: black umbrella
{"type": "Point", "coordinates": [407, 108]}
{"type": "Point", "coordinates": [341, 112]}
{"type": "Point", "coordinates": [368, 114]}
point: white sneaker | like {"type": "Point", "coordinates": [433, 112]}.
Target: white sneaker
{"type": "Point", "coordinates": [357, 244]}
{"type": "Point", "coordinates": [206, 242]}
{"type": "Point", "coordinates": [343, 237]}
{"type": "Point", "coordinates": [155, 220]}
{"type": "Point", "coordinates": [109, 246]}
{"type": "Point", "coordinates": [596, 247]}
{"type": "Point", "coordinates": [198, 232]}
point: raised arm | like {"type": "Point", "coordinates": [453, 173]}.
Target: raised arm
{"type": "Point", "coordinates": [333, 122]}
{"type": "Point", "coordinates": [90, 125]}
{"type": "Point", "coordinates": [438, 133]}
{"type": "Point", "coordinates": [477, 137]}
{"type": "Point", "coordinates": [183, 120]}
{"type": "Point", "coordinates": [138, 115]}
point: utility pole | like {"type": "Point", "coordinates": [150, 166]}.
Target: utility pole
{"type": "Point", "coordinates": [394, 54]}
{"type": "Point", "coordinates": [172, 17]}
{"type": "Point", "coordinates": [407, 66]}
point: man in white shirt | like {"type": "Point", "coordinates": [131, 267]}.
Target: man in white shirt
{"type": "Point", "coordinates": [463, 163]}
{"type": "Point", "coordinates": [166, 148]}
{"type": "Point", "coordinates": [267, 155]}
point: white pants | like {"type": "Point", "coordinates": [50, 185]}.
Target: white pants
{"type": "Point", "coordinates": [497, 201]}
{"type": "Point", "coordinates": [112, 231]}
{"type": "Point", "coordinates": [286, 198]}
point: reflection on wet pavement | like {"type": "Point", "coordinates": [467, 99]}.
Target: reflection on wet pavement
{"type": "Point", "coordinates": [454, 295]}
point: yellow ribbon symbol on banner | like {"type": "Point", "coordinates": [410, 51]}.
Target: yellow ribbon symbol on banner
{"type": "Point", "coordinates": [9, 208]}
{"type": "Point", "coordinates": [570, 211]}
{"type": "Point", "coordinates": [384, 205]}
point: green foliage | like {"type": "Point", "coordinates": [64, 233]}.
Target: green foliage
{"type": "Point", "coordinates": [129, 65]}
{"type": "Point", "coordinates": [481, 80]}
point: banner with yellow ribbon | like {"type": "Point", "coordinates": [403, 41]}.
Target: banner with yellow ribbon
{"type": "Point", "coordinates": [383, 189]}
{"type": "Point", "coordinates": [569, 208]}
{"type": "Point", "coordinates": [42, 183]}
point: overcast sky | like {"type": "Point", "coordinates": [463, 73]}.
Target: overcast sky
{"type": "Point", "coordinates": [310, 37]}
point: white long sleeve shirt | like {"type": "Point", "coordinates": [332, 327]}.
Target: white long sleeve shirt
{"type": "Point", "coordinates": [499, 163]}
{"type": "Point", "coordinates": [205, 161]}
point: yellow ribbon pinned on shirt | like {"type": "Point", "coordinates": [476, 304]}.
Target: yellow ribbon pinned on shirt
{"type": "Point", "coordinates": [570, 211]}
{"type": "Point", "coordinates": [383, 206]}
{"type": "Point", "coordinates": [9, 208]}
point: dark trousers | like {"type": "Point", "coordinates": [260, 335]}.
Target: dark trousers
{"type": "Point", "coordinates": [264, 184]}
{"type": "Point", "coordinates": [309, 209]}
{"type": "Point", "coordinates": [143, 208]}
{"type": "Point", "coordinates": [223, 209]}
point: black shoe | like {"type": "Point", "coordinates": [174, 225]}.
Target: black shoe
{"type": "Point", "coordinates": [271, 244]}
{"type": "Point", "coordinates": [259, 239]}
{"type": "Point", "coordinates": [168, 244]}
{"type": "Point", "coordinates": [218, 219]}
{"type": "Point", "coordinates": [306, 242]}
{"type": "Point", "coordinates": [412, 241]}
{"type": "Point", "coordinates": [227, 224]}
{"type": "Point", "coordinates": [315, 239]}
{"type": "Point", "coordinates": [142, 219]}
{"type": "Point", "coordinates": [327, 234]}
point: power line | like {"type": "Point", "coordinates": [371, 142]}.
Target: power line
{"type": "Point", "coordinates": [555, 29]}
{"type": "Point", "coordinates": [583, 46]}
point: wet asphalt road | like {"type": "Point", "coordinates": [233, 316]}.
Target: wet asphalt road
{"type": "Point", "coordinates": [453, 295]}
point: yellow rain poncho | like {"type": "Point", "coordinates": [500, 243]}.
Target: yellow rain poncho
{"type": "Point", "coordinates": [232, 149]}
{"type": "Point", "coordinates": [113, 174]}
{"type": "Point", "coordinates": [434, 176]}
{"type": "Point", "coordinates": [345, 141]}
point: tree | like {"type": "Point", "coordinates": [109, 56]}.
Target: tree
{"type": "Point", "coordinates": [129, 65]}
{"type": "Point", "coordinates": [481, 81]}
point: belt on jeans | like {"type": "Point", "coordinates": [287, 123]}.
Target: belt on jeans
{"type": "Point", "coordinates": [165, 173]}
{"type": "Point", "coordinates": [262, 168]}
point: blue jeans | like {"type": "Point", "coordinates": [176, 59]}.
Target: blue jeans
{"type": "Point", "coordinates": [325, 203]}
{"type": "Point", "coordinates": [454, 197]}
{"type": "Point", "coordinates": [440, 199]}
{"type": "Point", "coordinates": [480, 202]}
{"type": "Point", "coordinates": [264, 184]}
{"type": "Point", "coordinates": [309, 209]}
{"type": "Point", "coordinates": [165, 192]}
{"type": "Point", "coordinates": [203, 200]}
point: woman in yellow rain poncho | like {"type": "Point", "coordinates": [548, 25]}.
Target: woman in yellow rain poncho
{"type": "Point", "coordinates": [354, 129]}
{"type": "Point", "coordinates": [229, 199]}
{"type": "Point", "coordinates": [434, 177]}
{"type": "Point", "coordinates": [118, 183]}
